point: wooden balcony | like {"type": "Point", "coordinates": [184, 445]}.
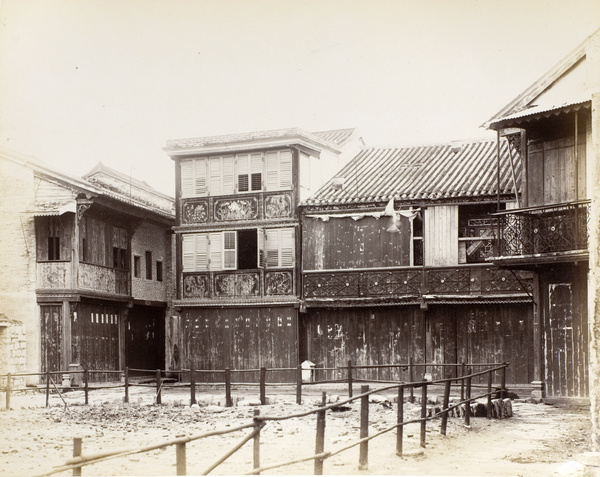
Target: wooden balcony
{"type": "Point", "coordinates": [543, 234]}
{"type": "Point", "coordinates": [414, 283]}
{"type": "Point", "coordinates": [101, 279]}
{"type": "Point", "coordinates": [54, 275]}
{"type": "Point", "coordinates": [253, 284]}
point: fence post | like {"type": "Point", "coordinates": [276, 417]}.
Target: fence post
{"type": "Point", "coordinates": [256, 443]}
{"type": "Point", "coordinates": [468, 403]}
{"type": "Point", "coordinates": [445, 407]}
{"type": "Point", "coordinates": [76, 453]}
{"type": "Point", "coordinates": [349, 378]}
{"type": "Point", "coordinates": [126, 384]}
{"type": "Point", "coordinates": [411, 378]}
{"type": "Point", "coordinates": [86, 385]}
{"type": "Point", "coordinates": [228, 400]}
{"type": "Point", "coordinates": [423, 414]}
{"type": "Point", "coordinates": [180, 456]}
{"type": "Point", "coordinates": [489, 396]}
{"type": "Point", "coordinates": [263, 381]}
{"type": "Point", "coordinates": [463, 368]}
{"type": "Point", "coordinates": [158, 387]}
{"type": "Point", "coordinates": [8, 386]}
{"type": "Point", "coordinates": [503, 383]}
{"type": "Point", "coordinates": [320, 439]}
{"type": "Point", "coordinates": [299, 385]}
{"type": "Point", "coordinates": [192, 386]}
{"type": "Point", "coordinates": [47, 388]}
{"type": "Point", "coordinates": [363, 459]}
{"type": "Point", "coordinates": [400, 429]}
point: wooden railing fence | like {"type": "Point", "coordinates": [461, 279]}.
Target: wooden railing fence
{"type": "Point", "coordinates": [80, 460]}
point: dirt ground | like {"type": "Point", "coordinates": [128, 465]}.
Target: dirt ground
{"type": "Point", "coordinates": [539, 440]}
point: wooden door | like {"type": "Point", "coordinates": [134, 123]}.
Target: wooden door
{"type": "Point", "coordinates": [51, 317]}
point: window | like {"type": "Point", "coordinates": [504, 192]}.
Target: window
{"type": "Point", "coordinates": [279, 248]}
{"type": "Point", "coordinates": [137, 266]}
{"type": "Point", "coordinates": [476, 232]}
{"type": "Point", "coordinates": [53, 248]}
{"type": "Point", "coordinates": [148, 265]}
{"type": "Point", "coordinates": [417, 240]}
{"type": "Point", "coordinates": [159, 271]}
{"type": "Point", "coordinates": [119, 258]}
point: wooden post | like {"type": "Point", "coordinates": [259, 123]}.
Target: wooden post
{"type": "Point", "coordinates": [445, 407]}
{"type": "Point", "coordinates": [423, 414]}
{"type": "Point", "coordinates": [489, 396]}
{"type": "Point", "coordinates": [228, 400]}
{"type": "Point", "coordinates": [47, 388]}
{"type": "Point", "coordinates": [263, 385]}
{"type": "Point", "coordinates": [320, 439]}
{"type": "Point", "coordinates": [503, 383]}
{"type": "Point", "coordinates": [299, 385]}
{"type": "Point", "coordinates": [363, 458]}
{"type": "Point", "coordinates": [256, 443]}
{"type": "Point", "coordinates": [76, 453]}
{"type": "Point", "coordinates": [158, 387]}
{"type": "Point", "coordinates": [126, 384]}
{"type": "Point", "coordinates": [349, 378]}
{"type": "Point", "coordinates": [192, 387]}
{"type": "Point", "coordinates": [8, 386]}
{"type": "Point", "coordinates": [400, 419]}
{"type": "Point", "coordinates": [463, 368]}
{"type": "Point", "coordinates": [468, 403]}
{"type": "Point", "coordinates": [411, 378]}
{"type": "Point", "coordinates": [86, 385]}
{"type": "Point", "coordinates": [180, 458]}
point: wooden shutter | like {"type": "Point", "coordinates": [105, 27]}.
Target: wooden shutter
{"type": "Point", "coordinates": [272, 170]}
{"type": "Point", "coordinates": [188, 252]}
{"type": "Point", "coordinates": [243, 172]}
{"type": "Point", "coordinates": [187, 178]}
{"type": "Point", "coordinates": [215, 251]}
{"type": "Point", "coordinates": [272, 246]}
{"type": "Point", "coordinates": [286, 249]}
{"type": "Point", "coordinates": [229, 250]}
{"type": "Point", "coordinates": [256, 170]}
{"type": "Point", "coordinates": [228, 175]}
{"type": "Point", "coordinates": [200, 177]}
{"type": "Point", "coordinates": [215, 179]}
{"type": "Point", "coordinates": [201, 252]}
{"type": "Point", "coordinates": [260, 246]}
{"type": "Point", "coordinates": [285, 170]}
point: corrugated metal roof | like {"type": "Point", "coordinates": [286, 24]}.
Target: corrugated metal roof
{"type": "Point", "coordinates": [422, 173]}
{"type": "Point", "coordinates": [336, 136]}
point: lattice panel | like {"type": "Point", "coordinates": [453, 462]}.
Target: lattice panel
{"type": "Point", "coordinates": [449, 281]}
{"type": "Point", "coordinates": [400, 282]}
{"type": "Point", "coordinates": [332, 285]}
{"type": "Point", "coordinates": [498, 280]}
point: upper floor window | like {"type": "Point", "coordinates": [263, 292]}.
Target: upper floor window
{"type": "Point", "coordinates": [240, 173]}
{"type": "Point", "coordinates": [148, 265]}
{"type": "Point", "coordinates": [476, 232]}
{"type": "Point", "coordinates": [54, 239]}
{"type": "Point", "coordinates": [238, 250]}
{"type": "Point", "coordinates": [137, 267]}
{"type": "Point", "coordinates": [159, 271]}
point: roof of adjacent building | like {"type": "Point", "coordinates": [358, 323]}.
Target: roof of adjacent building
{"type": "Point", "coordinates": [566, 87]}
{"type": "Point", "coordinates": [331, 140]}
{"type": "Point", "coordinates": [423, 173]}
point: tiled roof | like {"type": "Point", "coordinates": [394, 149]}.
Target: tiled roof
{"type": "Point", "coordinates": [421, 173]}
{"type": "Point", "coordinates": [336, 136]}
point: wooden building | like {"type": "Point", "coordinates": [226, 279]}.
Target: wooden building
{"type": "Point", "coordinates": [86, 267]}
{"type": "Point", "coordinates": [394, 263]}
{"type": "Point", "coordinates": [551, 123]}
{"type": "Point", "coordinates": [238, 244]}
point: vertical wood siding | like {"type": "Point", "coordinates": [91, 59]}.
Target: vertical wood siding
{"type": "Point", "coordinates": [247, 338]}
{"type": "Point", "coordinates": [441, 235]}
{"type": "Point", "coordinates": [51, 333]}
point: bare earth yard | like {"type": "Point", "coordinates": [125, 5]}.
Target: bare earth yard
{"type": "Point", "coordinates": [539, 440]}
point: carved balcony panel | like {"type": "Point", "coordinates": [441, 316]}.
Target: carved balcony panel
{"type": "Point", "coordinates": [196, 285]}
{"type": "Point", "coordinates": [279, 283]}
{"type": "Point", "coordinates": [56, 275]}
{"type": "Point", "coordinates": [278, 206]}
{"type": "Point", "coordinates": [195, 211]}
{"type": "Point", "coordinates": [236, 208]}
{"type": "Point", "coordinates": [448, 280]}
{"type": "Point", "coordinates": [389, 283]}
{"type": "Point", "coordinates": [499, 280]}
{"type": "Point", "coordinates": [544, 230]}
{"type": "Point", "coordinates": [103, 279]}
{"type": "Point", "coordinates": [342, 283]}
{"type": "Point", "coordinates": [238, 284]}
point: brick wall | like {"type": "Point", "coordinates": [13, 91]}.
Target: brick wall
{"type": "Point", "coordinates": [153, 238]}
{"type": "Point", "coordinates": [13, 349]}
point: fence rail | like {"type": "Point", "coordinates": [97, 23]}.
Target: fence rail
{"type": "Point", "coordinates": [320, 455]}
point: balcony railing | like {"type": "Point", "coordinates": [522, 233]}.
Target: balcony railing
{"type": "Point", "coordinates": [255, 283]}
{"type": "Point", "coordinates": [415, 283]}
{"type": "Point", "coordinates": [54, 274]}
{"type": "Point", "coordinates": [536, 231]}
{"type": "Point", "coordinates": [103, 279]}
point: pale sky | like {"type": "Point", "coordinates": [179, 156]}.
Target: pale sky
{"type": "Point", "coordinates": [83, 81]}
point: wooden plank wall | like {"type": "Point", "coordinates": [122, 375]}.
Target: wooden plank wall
{"type": "Point", "coordinates": [61, 226]}
{"type": "Point", "coordinates": [441, 235]}
{"type": "Point", "coordinates": [344, 243]}
{"type": "Point", "coordinates": [442, 334]}
{"type": "Point", "coordinates": [51, 333]}
{"type": "Point", "coordinates": [240, 339]}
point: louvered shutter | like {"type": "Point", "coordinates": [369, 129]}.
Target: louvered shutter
{"type": "Point", "coordinates": [285, 170]}
{"type": "Point", "coordinates": [200, 177]}
{"type": "Point", "coordinates": [228, 178]}
{"type": "Point", "coordinates": [272, 246]}
{"type": "Point", "coordinates": [229, 250]}
{"type": "Point", "coordinates": [286, 249]}
{"type": "Point", "coordinates": [214, 186]}
{"type": "Point", "coordinates": [215, 251]}
{"type": "Point", "coordinates": [201, 252]}
{"type": "Point", "coordinates": [189, 249]}
{"type": "Point", "coordinates": [243, 172]}
{"type": "Point", "coordinates": [256, 169]}
{"type": "Point", "coordinates": [187, 178]}
{"type": "Point", "coordinates": [260, 246]}
{"type": "Point", "coordinates": [272, 170]}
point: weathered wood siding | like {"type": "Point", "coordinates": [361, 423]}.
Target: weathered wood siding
{"type": "Point", "coordinates": [145, 338]}
{"type": "Point", "coordinates": [342, 243]}
{"type": "Point", "coordinates": [54, 226]}
{"type": "Point", "coordinates": [566, 332]}
{"type": "Point", "coordinates": [441, 235]}
{"type": "Point", "coordinates": [443, 334]}
{"type": "Point", "coordinates": [52, 329]}
{"type": "Point", "coordinates": [238, 339]}
{"type": "Point", "coordinates": [555, 174]}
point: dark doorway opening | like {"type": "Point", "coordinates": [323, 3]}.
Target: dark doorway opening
{"type": "Point", "coordinates": [247, 249]}
{"type": "Point", "coordinates": [145, 338]}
